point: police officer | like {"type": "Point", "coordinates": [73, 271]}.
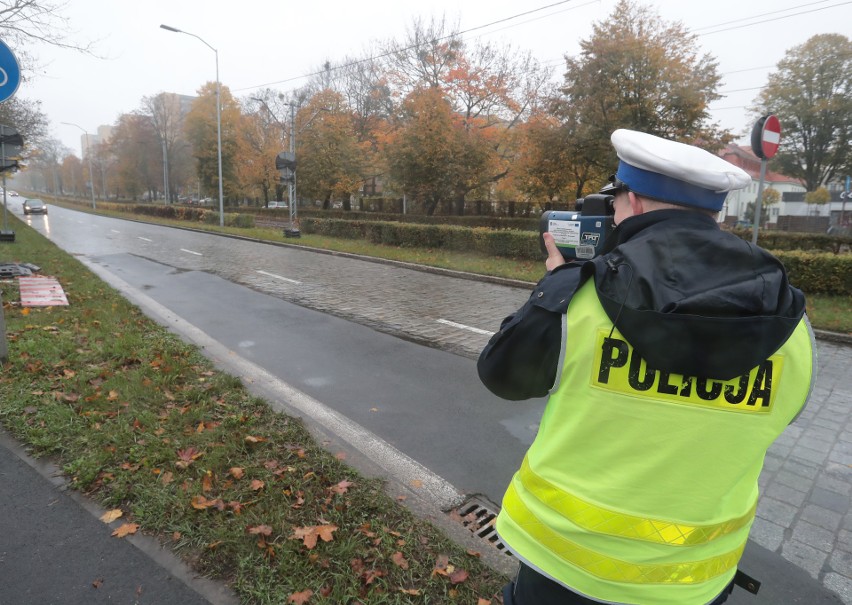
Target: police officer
{"type": "Point", "coordinates": [672, 361]}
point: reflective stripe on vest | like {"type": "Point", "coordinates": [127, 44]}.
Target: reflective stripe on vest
{"type": "Point", "coordinates": [607, 521]}
{"type": "Point", "coordinates": [612, 569]}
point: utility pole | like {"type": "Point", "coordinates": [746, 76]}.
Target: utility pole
{"type": "Point", "coordinates": [294, 213]}
{"type": "Point", "coordinates": [166, 173]}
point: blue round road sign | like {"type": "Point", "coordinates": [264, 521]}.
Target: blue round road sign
{"type": "Point", "coordinates": [10, 72]}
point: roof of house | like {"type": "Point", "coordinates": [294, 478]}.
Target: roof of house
{"type": "Point", "coordinates": [743, 157]}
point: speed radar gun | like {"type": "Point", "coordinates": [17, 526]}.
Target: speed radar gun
{"type": "Point", "coordinates": [580, 234]}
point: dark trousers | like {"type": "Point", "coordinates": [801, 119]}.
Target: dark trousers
{"type": "Point", "coordinates": [532, 588]}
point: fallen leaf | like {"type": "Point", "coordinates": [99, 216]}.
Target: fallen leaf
{"type": "Point", "coordinates": [371, 574]}
{"type": "Point", "coordinates": [458, 576]}
{"type": "Point", "coordinates": [260, 530]}
{"type": "Point", "coordinates": [187, 456]}
{"type": "Point", "coordinates": [340, 455]}
{"type": "Point", "coordinates": [441, 564]}
{"type": "Point", "coordinates": [126, 530]}
{"type": "Point", "coordinates": [257, 484]}
{"type": "Point", "coordinates": [207, 482]}
{"type": "Point", "coordinates": [341, 488]}
{"type": "Point", "coordinates": [253, 439]}
{"type": "Point", "coordinates": [310, 533]}
{"type": "Point", "coordinates": [481, 601]}
{"type": "Point", "coordinates": [474, 553]}
{"type": "Point", "coordinates": [98, 583]}
{"type": "Point", "coordinates": [201, 503]}
{"type": "Point", "coordinates": [236, 472]}
{"type": "Point", "coordinates": [167, 478]}
{"type": "Point", "coordinates": [111, 515]}
{"type": "Point", "coordinates": [410, 591]}
{"type": "Point", "coordinates": [399, 560]}
{"type": "Point", "coordinates": [416, 483]}
{"type": "Point", "coordinates": [300, 598]}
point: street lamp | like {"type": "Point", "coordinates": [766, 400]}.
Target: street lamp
{"type": "Point", "coordinates": [89, 156]}
{"type": "Point", "coordinates": [218, 117]}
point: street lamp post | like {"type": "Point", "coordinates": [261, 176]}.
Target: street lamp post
{"type": "Point", "coordinates": [218, 117]}
{"type": "Point", "coordinates": [89, 156]}
{"type": "Point", "coordinates": [165, 173]}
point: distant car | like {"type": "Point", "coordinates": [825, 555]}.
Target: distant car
{"type": "Point", "coordinates": [277, 205]}
{"type": "Point", "coordinates": [13, 193]}
{"type": "Point", "coordinates": [35, 206]}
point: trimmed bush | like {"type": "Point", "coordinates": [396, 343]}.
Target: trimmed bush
{"type": "Point", "coordinates": [813, 272]}
{"type": "Point", "coordinates": [232, 219]}
{"type": "Point", "coordinates": [818, 273]}
{"type": "Point", "coordinates": [783, 240]}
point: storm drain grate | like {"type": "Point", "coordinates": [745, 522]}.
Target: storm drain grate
{"type": "Point", "coordinates": [479, 518]}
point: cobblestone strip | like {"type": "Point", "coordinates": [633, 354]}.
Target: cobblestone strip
{"type": "Point", "coordinates": [804, 511]}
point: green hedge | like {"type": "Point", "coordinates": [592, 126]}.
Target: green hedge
{"type": "Point", "coordinates": [818, 272]}
{"type": "Point", "coordinates": [504, 243]}
{"type": "Point", "coordinates": [813, 272]}
{"type": "Point", "coordinates": [491, 222]}
{"type": "Point", "coordinates": [232, 219]}
{"type": "Point", "coordinates": [180, 213]}
{"type": "Point", "coordinates": [783, 240]}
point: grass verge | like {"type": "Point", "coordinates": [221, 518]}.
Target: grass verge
{"type": "Point", "coordinates": [146, 425]}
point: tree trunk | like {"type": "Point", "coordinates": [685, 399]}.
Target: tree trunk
{"type": "Point", "coordinates": [459, 204]}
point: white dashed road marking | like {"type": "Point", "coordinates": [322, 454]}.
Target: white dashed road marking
{"type": "Point", "coordinates": [287, 279]}
{"type": "Point", "coordinates": [447, 322]}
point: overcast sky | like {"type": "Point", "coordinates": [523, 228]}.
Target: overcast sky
{"type": "Point", "coordinates": [263, 43]}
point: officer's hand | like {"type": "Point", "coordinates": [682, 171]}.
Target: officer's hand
{"type": "Point", "coordinates": [554, 256]}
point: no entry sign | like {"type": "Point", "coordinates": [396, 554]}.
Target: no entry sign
{"type": "Point", "coordinates": [766, 137]}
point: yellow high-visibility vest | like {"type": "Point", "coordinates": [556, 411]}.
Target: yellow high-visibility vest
{"type": "Point", "coordinates": [641, 485]}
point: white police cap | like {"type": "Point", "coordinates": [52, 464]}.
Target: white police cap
{"type": "Point", "coordinates": [675, 172]}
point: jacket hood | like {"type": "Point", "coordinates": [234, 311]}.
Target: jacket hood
{"type": "Point", "coordinates": [693, 299]}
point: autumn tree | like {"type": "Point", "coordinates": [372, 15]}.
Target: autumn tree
{"type": "Point", "coordinates": [431, 156]}
{"type": "Point", "coordinates": [201, 132]}
{"type": "Point", "coordinates": [167, 119]}
{"type": "Point", "coordinates": [811, 93]}
{"type": "Point", "coordinates": [24, 23]}
{"type": "Point", "coordinates": [543, 168]}
{"type": "Point", "coordinates": [818, 197]}
{"type": "Point", "coordinates": [329, 155]}
{"type": "Point", "coordinates": [490, 91]}
{"type": "Point", "coordinates": [365, 87]}
{"type": "Point", "coordinates": [136, 150]}
{"type": "Point", "coordinates": [44, 166]}
{"type": "Point", "coordinates": [261, 138]}
{"type": "Point", "coordinates": [637, 71]}
{"type": "Point", "coordinates": [72, 176]}
{"type": "Point", "coordinates": [425, 57]}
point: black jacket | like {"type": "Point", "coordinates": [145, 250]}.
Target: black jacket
{"type": "Point", "coordinates": [690, 298]}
